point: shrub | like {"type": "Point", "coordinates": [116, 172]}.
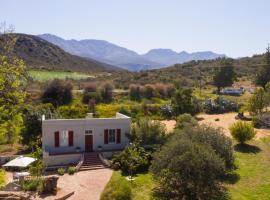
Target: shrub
{"type": "Point", "coordinates": [32, 121]}
{"type": "Point", "coordinates": [71, 170]}
{"type": "Point", "coordinates": [107, 92]}
{"type": "Point", "coordinates": [148, 91]}
{"type": "Point", "coordinates": [57, 93]}
{"type": "Point", "coordinates": [118, 188]}
{"type": "Point", "coordinates": [262, 120]}
{"type": "Point", "coordinates": [91, 92]}
{"type": "Point", "coordinates": [132, 160]}
{"type": "Point", "coordinates": [166, 111]}
{"type": "Point", "coordinates": [219, 105]}
{"type": "Point", "coordinates": [61, 171]}
{"type": "Point", "coordinates": [134, 92]}
{"type": "Point", "coordinates": [242, 131]}
{"type": "Point", "coordinates": [213, 137]}
{"type": "Point", "coordinates": [148, 132]}
{"type": "Point", "coordinates": [185, 120]}
{"type": "Point", "coordinates": [183, 101]}
{"type": "Point", "coordinates": [2, 178]}
{"type": "Point", "coordinates": [179, 168]}
{"type": "Point", "coordinates": [73, 111]}
{"type": "Point", "coordinates": [35, 184]}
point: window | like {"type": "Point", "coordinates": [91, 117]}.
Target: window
{"type": "Point", "coordinates": [64, 139]}
{"type": "Point", "coordinates": [88, 132]}
{"type": "Point", "coordinates": [111, 135]}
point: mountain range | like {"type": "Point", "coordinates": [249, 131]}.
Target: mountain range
{"type": "Point", "coordinates": [39, 53]}
{"type": "Point", "coordinates": [112, 54]}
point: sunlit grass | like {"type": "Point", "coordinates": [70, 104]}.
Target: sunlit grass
{"type": "Point", "coordinates": [51, 75]}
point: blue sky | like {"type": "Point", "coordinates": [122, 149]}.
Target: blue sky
{"type": "Point", "coordinates": [234, 27]}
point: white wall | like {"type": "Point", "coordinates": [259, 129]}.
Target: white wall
{"type": "Point", "coordinates": [61, 159]}
{"type": "Point", "coordinates": [78, 126]}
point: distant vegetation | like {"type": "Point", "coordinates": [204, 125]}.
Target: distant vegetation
{"type": "Point", "coordinates": [44, 76]}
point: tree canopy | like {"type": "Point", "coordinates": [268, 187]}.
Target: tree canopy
{"type": "Point", "coordinates": [224, 75]}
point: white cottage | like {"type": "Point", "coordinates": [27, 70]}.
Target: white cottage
{"type": "Point", "coordinates": [65, 140]}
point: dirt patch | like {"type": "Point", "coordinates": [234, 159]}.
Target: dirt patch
{"type": "Point", "coordinates": [225, 121]}
{"type": "Point", "coordinates": [169, 125]}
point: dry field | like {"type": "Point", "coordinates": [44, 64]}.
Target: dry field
{"type": "Point", "coordinates": [223, 121]}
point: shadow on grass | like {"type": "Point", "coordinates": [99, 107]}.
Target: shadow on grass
{"type": "Point", "coordinates": [231, 178]}
{"type": "Point", "coordinates": [246, 148]}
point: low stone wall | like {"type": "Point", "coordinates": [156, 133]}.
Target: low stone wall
{"type": "Point", "coordinates": [65, 159]}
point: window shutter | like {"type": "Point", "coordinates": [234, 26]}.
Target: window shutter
{"type": "Point", "coordinates": [118, 137]}
{"type": "Point", "coordinates": [70, 138]}
{"type": "Point", "coordinates": [106, 136]}
{"type": "Point", "coordinates": [56, 139]}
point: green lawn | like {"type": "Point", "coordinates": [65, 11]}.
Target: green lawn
{"type": "Point", "coordinates": [253, 171]}
{"type": "Point", "coordinates": [50, 75]}
{"type": "Point", "coordinates": [141, 186]}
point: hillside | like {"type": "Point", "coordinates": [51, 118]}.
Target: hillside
{"type": "Point", "coordinates": [188, 73]}
{"type": "Point", "coordinates": [113, 54]}
{"type": "Point", "coordinates": [40, 54]}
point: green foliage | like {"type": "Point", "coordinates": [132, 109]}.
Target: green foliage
{"type": "Point", "coordinates": [12, 92]}
{"type": "Point", "coordinates": [91, 93]}
{"type": "Point", "coordinates": [146, 132]}
{"type": "Point", "coordinates": [224, 75]}
{"type": "Point", "coordinates": [34, 184]}
{"type": "Point", "coordinates": [242, 131]}
{"type": "Point", "coordinates": [71, 170]}
{"type": "Point", "coordinates": [2, 178]}
{"type": "Point", "coordinates": [57, 93]}
{"type": "Point", "coordinates": [31, 132]}
{"type": "Point", "coordinates": [259, 101]}
{"type": "Point", "coordinates": [180, 169]}
{"type": "Point", "coordinates": [132, 160]}
{"type": "Point", "coordinates": [219, 105]}
{"type": "Point", "coordinates": [36, 168]}
{"type": "Point", "coordinates": [213, 137]}
{"type": "Point", "coordinates": [185, 120]}
{"type": "Point", "coordinates": [263, 76]}
{"type": "Point", "coordinates": [261, 120]}
{"type": "Point", "coordinates": [179, 166]}
{"type": "Point", "coordinates": [118, 188]}
{"type": "Point", "coordinates": [61, 171]}
{"type": "Point", "coordinates": [184, 102]}
{"type": "Point", "coordinates": [73, 111]}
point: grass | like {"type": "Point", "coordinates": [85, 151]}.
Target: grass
{"type": "Point", "coordinates": [253, 170]}
{"type": "Point", "coordinates": [253, 182]}
{"type": "Point", "coordinates": [43, 76]}
{"type": "Point", "coordinates": [2, 178]}
{"type": "Point", "coordinates": [141, 186]}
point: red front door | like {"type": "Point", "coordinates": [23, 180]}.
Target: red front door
{"type": "Point", "coordinates": [88, 143]}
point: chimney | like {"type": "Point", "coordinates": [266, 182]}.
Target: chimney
{"type": "Point", "coordinates": [89, 115]}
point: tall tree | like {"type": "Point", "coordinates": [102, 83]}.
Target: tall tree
{"type": "Point", "coordinates": [263, 76]}
{"type": "Point", "coordinates": [12, 91]}
{"type": "Point", "coordinates": [224, 76]}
